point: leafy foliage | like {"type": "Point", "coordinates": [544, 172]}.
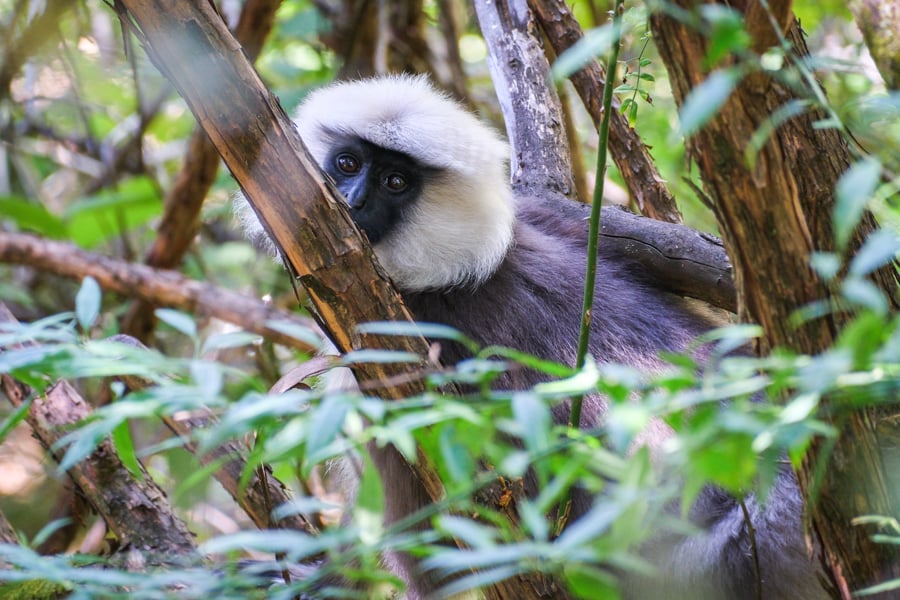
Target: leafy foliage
{"type": "Point", "coordinates": [733, 420]}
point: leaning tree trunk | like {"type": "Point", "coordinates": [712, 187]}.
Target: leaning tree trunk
{"type": "Point", "coordinates": [772, 216]}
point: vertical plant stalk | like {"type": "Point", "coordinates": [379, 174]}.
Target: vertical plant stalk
{"type": "Point", "coordinates": [590, 278]}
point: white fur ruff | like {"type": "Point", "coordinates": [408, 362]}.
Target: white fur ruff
{"type": "Point", "coordinates": [462, 227]}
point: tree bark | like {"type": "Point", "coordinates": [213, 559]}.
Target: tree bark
{"type": "Point", "coordinates": [879, 21]}
{"type": "Point", "coordinates": [181, 216]}
{"type": "Point", "coordinates": [643, 180]}
{"type": "Point", "coordinates": [772, 216]}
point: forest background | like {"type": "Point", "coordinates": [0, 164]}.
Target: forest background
{"type": "Point", "coordinates": [101, 159]}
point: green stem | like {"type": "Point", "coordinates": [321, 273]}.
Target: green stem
{"type": "Point", "coordinates": [594, 231]}
{"type": "Point", "coordinates": [562, 514]}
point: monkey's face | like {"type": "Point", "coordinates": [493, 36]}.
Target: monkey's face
{"type": "Point", "coordinates": [381, 186]}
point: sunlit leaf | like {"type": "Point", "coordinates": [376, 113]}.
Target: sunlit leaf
{"type": "Point", "coordinates": [298, 332]}
{"type": "Point", "coordinates": [879, 249]}
{"type": "Point", "coordinates": [232, 339]}
{"type": "Point", "coordinates": [826, 264]}
{"type": "Point", "coordinates": [533, 419]}
{"type": "Point", "coordinates": [208, 377]}
{"type": "Point", "coordinates": [87, 303]}
{"type": "Point", "coordinates": [853, 191]}
{"type": "Point", "coordinates": [863, 292]}
{"type": "Point", "coordinates": [179, 321]}
{"type": "Point", "coordinates": [357, 357]}
{"type": "Point", "coordinates": [705, 100]}
{"type": "Point", "coordinates": [326, 422]}
{"type": "Point", "coordinates": [595, 42]}
{"type": "Point", "coordinates": [470, 532]}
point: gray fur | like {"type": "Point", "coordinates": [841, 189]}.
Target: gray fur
{"type": "Point", "coordinates": [512, 275]}
{"type": "Point", "coordinates": [543, 275]}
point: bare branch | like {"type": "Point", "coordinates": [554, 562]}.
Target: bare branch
{"type": "Point", "coordinates": [879, 21]}
{"type": "Point", "coordinates": [160, 288]}
{"type": "Point", "coordinates": [540, 164]}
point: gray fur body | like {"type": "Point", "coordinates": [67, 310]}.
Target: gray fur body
{"type": "Point", "coordinates": [464, 253]}
{"type": "Point", "coordinates": [532, 303]}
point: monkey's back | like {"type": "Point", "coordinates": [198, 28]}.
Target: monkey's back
{"type": "Point", "coordinates": [533, 303]}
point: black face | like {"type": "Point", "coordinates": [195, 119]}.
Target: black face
{"type": "Point", "coordinates": [379, 185]}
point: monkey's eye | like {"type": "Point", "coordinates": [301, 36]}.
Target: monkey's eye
{"type": "Point", "coordinates": [395, 182]}
{"type": "Point", "coordinates": [347, 164]}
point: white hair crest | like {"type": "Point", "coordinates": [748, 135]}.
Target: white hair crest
{"type": "Point", "coordinates": [461, 228]}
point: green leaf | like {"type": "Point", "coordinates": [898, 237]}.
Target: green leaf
{"type": "Point", "coordinates": [534, 520]}
{"type": "Point", "coordinates": [706, 99]}
{"type": "Point", "coordinates": [590, 582]}
{"type": "Point", "coordinates": [14, 418]}
{"type": "Point", "coordinates": [49, 529]}
{"type": "Point", "coordinates": [110, 213]}
{"type": "Point", "coordinates": [853, 191]}
{"type": "Point", "coordinates": [581, 382]}
{"type": "Point", "coordinates": [177, 320]}
{"type": "Point", "coordinates": [298, 332]}
{"type": "Point", "coordinates": [30, 216]}
{"type": "Point", "coordinates": [357, 357]}
{"type": "Point", "coordinates": [473, 534]}
{"type": "Point", "coordinates": [121, 438]}
{"type": "Point", "coordinates": [432, 331]}
{"type": "Point", "coordinates": [863, 337]}
{"type": "Point", "coordinates": [594, 43]}
{"type": "Point", "coordinates": [826, 264]}
{"type": "Point", "coordinates": [863, 292]}
{"type": "Point", "coordinates": [590, 526]}
{"type": "Point", "coordinates": [369, 499]}
{"type": "Point", "coordinates": [326, 422]}
{"type": "Point", "coordinates": [532, 416]}
{"type": "Point", "coordinates": [225, 341]}
{"type": "Point", "coordinates": [87, 303]}
{"type": "Point", "coordinates": [456, 460]}
{"type": "Point", "coordinates": [728, 34]}
{"type": "Point", "coordinates": [208, 377]}
{"type": "Point", "coordinates": [879, 249]}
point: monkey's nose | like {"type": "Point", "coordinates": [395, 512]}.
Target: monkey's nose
{"type": "Point", "coordinates": [356, 196]}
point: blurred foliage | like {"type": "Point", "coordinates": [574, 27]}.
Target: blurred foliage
{"type": "Point", "coordinates": [92, 142]}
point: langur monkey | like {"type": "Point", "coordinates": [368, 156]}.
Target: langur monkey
{"type": "Point", "coordinates": [427, 182]}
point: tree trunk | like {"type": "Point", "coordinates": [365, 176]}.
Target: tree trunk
{"type": "Point", "coordinates": [773, 214]}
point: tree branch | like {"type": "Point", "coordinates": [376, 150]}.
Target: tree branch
{"type": "Point", "coordinates": [181, 215]}
{"type": "Point", "coordinates": [540, 164]}
{"type": "Point", "coordinates": [160, 288]}
{"type": "Point", "coordinates": [628, 151]}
